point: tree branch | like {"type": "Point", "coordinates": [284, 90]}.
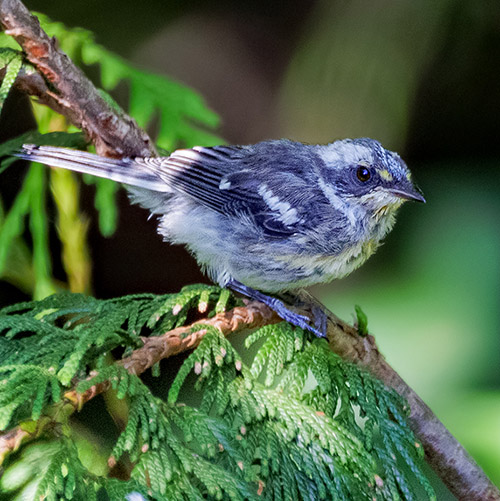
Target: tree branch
{"type": "Point", "coordinates": [155, 349]}
{"type": "Point", "coordinates": [447, 457]}
{"type": "Point", "coordinates": [64, 88]}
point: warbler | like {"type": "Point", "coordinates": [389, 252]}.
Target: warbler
{"type": "Point", "coordinates": [266, 218]}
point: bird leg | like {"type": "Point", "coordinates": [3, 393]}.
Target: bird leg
{"type": "Point", "coordinates": [284, 311]}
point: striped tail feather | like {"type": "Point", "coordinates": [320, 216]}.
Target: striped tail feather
{"type": "Point", "coordinates": [124, 170]}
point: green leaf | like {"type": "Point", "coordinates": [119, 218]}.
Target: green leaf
{"type": "Point", "coordinates": [182, 115]}
{"type": "Point", "coordinates": [66, 139]}
{"type": "Point", "coordinates": [12, 61]}
{"type": "Point", "coordinates": [26, 383]}
{"type": "Point", "coordinates": [362, 321]}
{"type": "Point", "coordinates": [105, 203]}
{"type": "Point", "coordinates": [318, 427]}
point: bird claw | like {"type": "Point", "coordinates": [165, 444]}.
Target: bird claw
{"type": "Point", "coordinates": [302, 321]}
{"type": "Point", "coordinates": [320, 319]}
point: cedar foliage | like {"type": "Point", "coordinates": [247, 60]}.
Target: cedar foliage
{"type": "Point", "coordinates": [179, 113]}
{"type": "Point", "coordinates": [281, 417]}
{"type": "Point", "coordinates": [296, 422]}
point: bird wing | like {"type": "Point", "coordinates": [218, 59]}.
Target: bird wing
{"type": "Point", "coordinates": [228, 180]}
{"type": "Point", "coordinates": [256, 182]}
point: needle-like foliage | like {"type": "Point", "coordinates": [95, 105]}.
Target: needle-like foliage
{"type": "Point", "coordinates": [281, 418]}
{"type": "Point", "coordinates": [181, 116]}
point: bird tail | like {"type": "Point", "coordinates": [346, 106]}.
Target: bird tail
{"type": "Point", "coordinates": [124, 170]}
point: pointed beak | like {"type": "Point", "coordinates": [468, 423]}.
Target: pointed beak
{"type": "Point", "coordinates": [412, 193]}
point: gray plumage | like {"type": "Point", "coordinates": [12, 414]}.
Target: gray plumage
{"type": "Point", "coordinates": [274, 216]}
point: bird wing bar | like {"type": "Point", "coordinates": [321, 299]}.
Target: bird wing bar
{"type": "Point", "coordinates": [224, 180]}
{"type": "Point", "coordinates": [200, 173]}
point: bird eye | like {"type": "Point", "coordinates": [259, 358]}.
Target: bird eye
{"type": "Point", "coordinates": [363, 174]}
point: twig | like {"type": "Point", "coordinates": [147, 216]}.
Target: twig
{"type": "Point", "coordinates": [76, 98]}
{"type": "Point", "coordinates": [155, 349]}
{"type": "Point", "coordinates": [447, 457]}
{"type": "Point", "coordinates": [65, 88]}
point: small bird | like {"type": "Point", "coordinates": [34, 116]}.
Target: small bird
{"type": "Point", "coordinates": [267, 218]}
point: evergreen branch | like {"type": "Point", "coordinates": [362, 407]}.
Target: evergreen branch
{"type": "Point", "coordinates": [156, 348]}
{"type": "Point", "coordinates": [63, 87]}
{"type": "Point", "coordinates": [447, 457]}
{"type": "Point", "coordinates": [253, 315]}
{"type": "Point", "coordinates": [72, 227]}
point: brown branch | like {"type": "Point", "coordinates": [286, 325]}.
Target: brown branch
{"type": "Point", "coordinates": [447, 457]}
{"type": "Point", "coordinates": [155, 349]}
{"type": "Point", "coordinates": [64, 88]}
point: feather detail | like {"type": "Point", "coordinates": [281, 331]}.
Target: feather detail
{"type": "Point", "coordinates": [125, 170]}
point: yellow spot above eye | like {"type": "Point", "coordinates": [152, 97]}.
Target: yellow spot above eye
{"type": "Point", "coordinates": [408, 176]}
{"type": "Point", "coordinates": [385, 175]}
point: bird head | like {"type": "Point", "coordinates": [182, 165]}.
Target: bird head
{"type": "Point", "coordinates": [365, 173]}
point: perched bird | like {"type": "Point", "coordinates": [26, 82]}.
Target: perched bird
{"type": "Point", "coordinates": [266, 218]}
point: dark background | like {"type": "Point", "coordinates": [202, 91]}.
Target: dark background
{"type": "Point", "coordinates": [421, 77]}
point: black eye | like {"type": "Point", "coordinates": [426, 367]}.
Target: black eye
{"type": "Point", "coordinates": [363, 174]}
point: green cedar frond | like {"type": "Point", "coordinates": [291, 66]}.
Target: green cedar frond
{"type": "Point", "coordinates": [152, 437]}
{"type": "Point", "coordinates": [282, 341]}
{"type": "Point", "coordinates": [205, 299]}
{"type": "Point", "coordinates": [121, 380]}
{"type": "Point", "coordinates": [214, 351]}
{"type": "Point", "coordinates": [183, 119]}
{"type": "Point", "coordinates": [12, 61]}
{"type": "Point", "coordinates": [73, 140]}
{"type": "Point", "coordinates": [182, 112]}
{"type": "Point", "coordinates": [203, 481]}
{"type": "Point", "coordinates": [68, 332]}
{"type": "Point", "coordinates": [300, 422]}
{"type": "Point", "coordinates": [120, 490]}
{"type": "Point", "coordinates": [310, 373]}
{"type": "Point", "coordinates": [107, 212]}
{"type": "Point", "coordinates": [316, 427]}
{"type": "Point", "coordinates": [26, 385]}
{"type": "Point", "coordinates": [65, 477]}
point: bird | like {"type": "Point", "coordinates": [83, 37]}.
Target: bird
{"type": "Point", "coordinates": [265, 219]}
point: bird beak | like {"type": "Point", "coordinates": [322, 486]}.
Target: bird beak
{"type": "Point", "coordinates": [411, 193]}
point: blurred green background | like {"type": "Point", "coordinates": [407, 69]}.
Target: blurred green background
{"type": "Point", "coordinates": [421, 77]}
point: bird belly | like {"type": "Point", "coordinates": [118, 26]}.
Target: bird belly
{"type": "Point", "coordinates": [282, 272]}
{"type": "Point", "coordinates": [313, 269]}
{"type": "Point", "coordinates": [230, 251]}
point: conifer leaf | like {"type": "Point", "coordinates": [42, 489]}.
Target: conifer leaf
{"type": "Point", "coordinates": [182, 115]}
{"type": "Point", "coordinates": [105, 204]}
{"type": "Point", "coordinates": [65, 139]}
{"type": "Point", "coordinates": [282, 340]}
{"type": "Point", "coordinates": [13, 225]}
{"type": "Point", "coordinates": [22, 384]}
{"type": "Point", "coordinates": [178, 305]}
{"type": "Point", "coordinates": [12, 61]}
{"type": "Point", "coordinates": [180, 109]}
{"type": "Point", "coordinates": [316, 427]}
{"type": "Point", "coordinates": [361, 320]}
{"type": "Point", "coordinates": [65, 477]}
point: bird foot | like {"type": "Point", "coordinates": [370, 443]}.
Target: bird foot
{"type": "Point", "coordinates": [284, 311]}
